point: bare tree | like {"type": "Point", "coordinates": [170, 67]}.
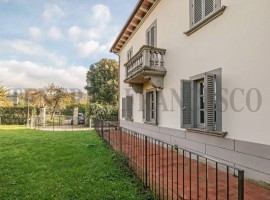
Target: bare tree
{"type": "Point", "coordinates": [54, 97]}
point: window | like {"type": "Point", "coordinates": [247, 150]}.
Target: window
{"type": "Point", "coordinates": [201, 9]}
{"type": "Point", "coordinates": [129, 54]}
{"type": "Point", "coordinates": [124, 107]}
{"type": "Point", "coordinates": [150, 106]}
{"type": "Point", "coordinates": [201, 102]}
{"type": "Point", "coordinates": [151, 35]}
{"type": "Point", "coordinates": [127, 107]}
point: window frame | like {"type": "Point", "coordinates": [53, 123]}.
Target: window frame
{"type": "Point", "coordinates": [219, 10]}
{"type": "Point", "coordinates": [150, 106]}
{"type": "Point", "coordinates": [217, 103]}
{"type": "Point", "coordinates": [126, 113]}
{"type": "Point", "coordinates": [124, 107]}
{"type": "Point", "coordinates": [200, 124]}
{"type": "Point", "coordinates": [149, 34]}
{"type": "Point", "coordinates": [129, 53]}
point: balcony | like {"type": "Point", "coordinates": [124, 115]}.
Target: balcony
{"type": "Point", "coordinates": [146, 65]}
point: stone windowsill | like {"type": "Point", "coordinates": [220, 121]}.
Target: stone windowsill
{"type": "Point", "coordinates": [205, 21]}
{"type": "Point", "coordinates": [151, 123]}
{"type": "Point", "coordinates": [127, 119]}
{"type": "Point", "coordinates": [211, 133]}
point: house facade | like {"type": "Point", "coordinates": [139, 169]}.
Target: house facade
{"type": "Point", "coordinates": [195, 73]}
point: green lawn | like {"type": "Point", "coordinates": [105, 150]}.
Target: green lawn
{"type": "Point", "coordinates": [63, 165]}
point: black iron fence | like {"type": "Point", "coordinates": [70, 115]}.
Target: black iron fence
{"type": "Point", "coordinates": [170, 171]}
{"type": "Point", "coordinates": [61, 122]}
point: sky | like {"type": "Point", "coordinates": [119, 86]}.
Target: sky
{"type": "Point", "coordinates": [55, 41]}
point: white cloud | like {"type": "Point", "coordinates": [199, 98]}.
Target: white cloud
{"type": "Point", "coordinates": [53, 12]}
{"type": "Point", "coordinates": [101, 14]}
{"type": "Point", "coordinates": [85, 49]}
{"type": "Point", "coordinates": [55, 33]}
{"type": "Point", "coordinates": [27, 74]}
{"type": "Point", "coordinates": [31, 49]}
{"type": "Point", "coordinates": [94, 33]}
{"type": "Point", "coordinates": [74, 33]}
{"type": "Point", "coordinates": [35, 32]}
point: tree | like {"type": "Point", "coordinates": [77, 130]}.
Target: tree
{"type": "Point", "coordinates": [102, 82]}
{"type": "Point", "coordinates": [53, 97]}
{"type": "Point", "coordinates": [3, 97]}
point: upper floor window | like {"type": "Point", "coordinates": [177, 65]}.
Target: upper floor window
{"type": "Point", "coordinates": [129, 54]}
{"type": "Point", "coordinates": [201, 9]}
{"type": "Point", "coordinates": [151, 35]}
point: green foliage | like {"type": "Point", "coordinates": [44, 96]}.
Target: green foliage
{"type": "Point", "coordinates": [3, 97]}
{"type": "Point", "coordinates": [69, 109]}
{"type": "Point", "coordinates": [102, 82]}
{"type": "Point", "coordinates": [95, 110]}
{"type": "Point", "coordinates": [63, 165]}
{"type": "Point", "coordinates": [105, 112]}
{"type": "Point", "coordinates": [15, 115]}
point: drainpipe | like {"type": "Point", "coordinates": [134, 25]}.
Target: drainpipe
{"type": "Point", "coordinates": [118, 95]}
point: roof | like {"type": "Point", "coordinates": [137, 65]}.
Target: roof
{"type": "Point", "coordinates": [138, 14]}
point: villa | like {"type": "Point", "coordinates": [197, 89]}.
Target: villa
{"type": "Point", "coordinates": [195, 73]}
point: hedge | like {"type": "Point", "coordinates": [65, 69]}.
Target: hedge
{"type": "Point", "coordinates": [15, 115]}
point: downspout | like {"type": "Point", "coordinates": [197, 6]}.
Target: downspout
{"type": "Point", "coordinates": [118, 95]}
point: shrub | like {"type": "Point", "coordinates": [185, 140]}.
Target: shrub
{"type": "Point", "coordinates": [15, 115]}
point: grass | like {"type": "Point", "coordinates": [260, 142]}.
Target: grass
{"type": "Point", "coordinates": [63, 165]}
{"type": "Point", "coordinates": [12, 127]}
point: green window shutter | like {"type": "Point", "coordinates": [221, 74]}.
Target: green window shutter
{"type": "Point", "coordinates": [124, 108]}
{"type": "Point", "coordinates": [209, 91]}
{"type": "Point", "coordinates": [187, 120]}
{"type": "Point", "coordinates": [129, 107]}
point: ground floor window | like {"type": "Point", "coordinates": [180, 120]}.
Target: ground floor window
{"type": "Point", "coordinates": [150, 106]}
{"type": "Point", "coordinates": [201, 102]}
{"type": "Point", "coordinates": [127, 107]}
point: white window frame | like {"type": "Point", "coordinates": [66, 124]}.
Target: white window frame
{"type": "Point", "coordinates": [198, 103]}
{"type": "Point", "coordinates": [151, 34]}
{"type": "Point", "coordinates": [129, 53]}
{"type": "Point", "coordinates": [150, 98]}
{"type": "Point", "coordinates": [127, 107]}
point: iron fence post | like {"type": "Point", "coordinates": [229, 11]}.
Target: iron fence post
{"type": "Point", "coordinates": [146, 172]}
{"type": "Point", "coordinates": [109, 133]}
{"type": "Point", "coordinates": [102, 129]}
{"type": "Point", "coordinates": [241, 185]}
{"type": "Point", "coordinates": [53, 123]}
{"type": "Point", "coordinates": [120, 128]}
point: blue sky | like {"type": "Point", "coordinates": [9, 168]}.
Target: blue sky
{"type": "Point", "coordinates": [55, 41]}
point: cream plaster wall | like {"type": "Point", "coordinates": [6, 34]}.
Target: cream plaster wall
{"type": "Point", "coordinates": [237, 41]}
